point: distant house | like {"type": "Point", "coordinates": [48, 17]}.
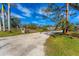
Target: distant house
{"type": "Point", "coordinates": [28, 29]}
{"type": "Point", "coordinates": [51, 28]}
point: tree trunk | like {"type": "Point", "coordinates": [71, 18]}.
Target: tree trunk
{"type": "Point", "coordinates": [3, 21]}
{"type": "Point", "coordinates": [9, 17]}
{"type": "Point", "coordinates": [0, 26]}
{"type": "Point", "coordinates": [66, 28]}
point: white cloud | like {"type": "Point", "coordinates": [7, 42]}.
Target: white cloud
{"type": "Point", "coordinates": [37, 22]}
{"type": "Point", "coordinates": [42, 12]}
{"type": "Point", "coordinates": [16, 15]}
{"type": "Point", "coordinates": [26, 11]}
{"type": "Point", "coordinates": [77, 17]}
{"type": "Point", "coordinates": [27, 14]}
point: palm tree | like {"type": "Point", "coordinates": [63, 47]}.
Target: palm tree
{"type": "Point", "coordinates": [0, 20]}
{"type": "Point", "coordinates": [3, 21]}
{"type": "Point", "coordinates": [9, 29]}
{"type": "Point", "coordinates": [9, 24]}
{"type": "Point", "coordinates": [0, 26]}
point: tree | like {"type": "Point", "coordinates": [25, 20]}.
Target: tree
{"type": "Point", "coordinates": [9, 24]}
{"type": "Point", "coordinates": [9, 17]}
{"type": "Point", "coordinates": [0, 25]}
{"type": "Point", "coordinates": [74, 5]}
{"type": "Point", "coordinates": [67, 8]}
{"type": "Point", "coordinates": [59, 13]}
{"type": "Point", "coordinates": [0, 21]}
{"type": "Point", "coordinates": [15, 22]}
{"type": "Point", "coordinates": [3, 20]}
{"type": "Point", "coordinates": [72, 27]}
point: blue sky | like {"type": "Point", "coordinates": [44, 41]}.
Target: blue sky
{"type": "Point", "coordinates": [32, 13]}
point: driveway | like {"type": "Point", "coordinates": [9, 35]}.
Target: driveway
{"type": "Point", "coordinates": [23, 45]}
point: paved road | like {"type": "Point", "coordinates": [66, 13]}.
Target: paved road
{"type": "Point", "coordinates": [23, 45]}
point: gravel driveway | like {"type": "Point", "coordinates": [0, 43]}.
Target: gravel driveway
{"type": "Point", "coordinates": [23, 45]}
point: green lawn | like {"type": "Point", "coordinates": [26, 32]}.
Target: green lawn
{"type": "Point", "coordinates": [41, 30]}
{"type": "Point", "coordinates": [17, 32]}
{"type": "Point", "coordinates": [12, 33]}
{"type": "Point", "coordinates": [62, 45]}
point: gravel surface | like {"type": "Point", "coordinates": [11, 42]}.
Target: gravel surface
{"type": "Point", "coordinates": [23, 45]}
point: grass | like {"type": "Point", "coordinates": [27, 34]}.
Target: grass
{"type": "Point", "coordinates": [62, 45]}
{"type": "Point", "coordinates": [16, 32]}
{"type": "Point", "coordinates": [12, 33]}
{"type": "Point", "coordinates": [40, 30]}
